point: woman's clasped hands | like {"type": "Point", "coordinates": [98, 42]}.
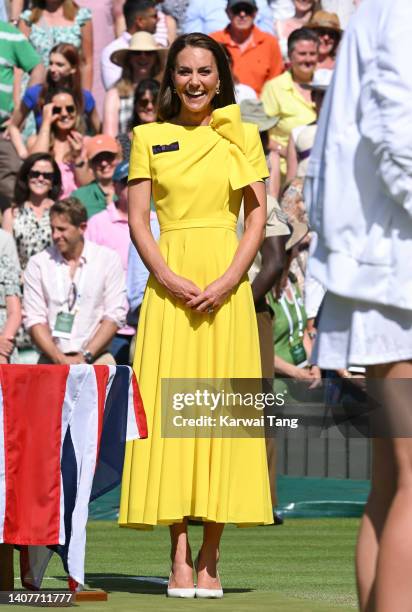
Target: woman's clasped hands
{"type": "Point", "coordinates": [206, 301]}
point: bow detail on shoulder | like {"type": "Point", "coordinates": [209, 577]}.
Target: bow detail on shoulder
{"type": "Point", "coordinates": [226, 121]}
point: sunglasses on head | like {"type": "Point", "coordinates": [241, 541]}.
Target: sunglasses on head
{"type": "Point", "coordinates": [34, 174]}
{"type": "Point", "coordinates": [70, 109]}
{"type": "Point", "coordinates": [243, 8]}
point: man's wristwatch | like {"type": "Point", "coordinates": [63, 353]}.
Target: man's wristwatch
{"type": "Point", "coordinates": [87, 356]}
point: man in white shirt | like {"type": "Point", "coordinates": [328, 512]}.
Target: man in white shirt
{"type": "Point", "coordinates": [140, 16]}
{"type": "Point", "coordinates": [74, 291]}
{"type": "Point", "coordinates": [210, 16]}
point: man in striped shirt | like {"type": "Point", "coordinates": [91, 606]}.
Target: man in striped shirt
{"type": "Point", "coordinates": [15, 51]}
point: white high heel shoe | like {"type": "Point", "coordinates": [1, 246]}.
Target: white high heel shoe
{"type": "Point", "coordinates": [208, 593]}
{"type": "Point", "coordinates": [186, 593]}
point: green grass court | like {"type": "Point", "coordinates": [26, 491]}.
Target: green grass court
{"type": "Point", "coordinates": [306, 565]}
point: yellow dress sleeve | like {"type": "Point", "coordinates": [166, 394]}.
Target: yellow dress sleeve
{"type": "Point", "coordinates": [139, 167]}
{"type": "Point", "coordinates": [254, 150]}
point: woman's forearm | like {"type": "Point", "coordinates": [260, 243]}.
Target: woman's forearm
{"type": "Point", "coordinates": [42, 142]}
{"type": "Point", "coordinates": [140, 233]}
{"type": "Point", "coordinates": [87, 74]}
{"type": "Point", "coordinates": [17, 140]}
{"type": "Point", "coordinates": [284, 368]}
{"type": "Point", "coordinates": [255, 221]}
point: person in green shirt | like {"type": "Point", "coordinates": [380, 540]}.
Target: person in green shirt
{"type": "Point", "coordinates": [292, 343]}
{"type": "Point", "coordinates": [103, 154]}
{"type": "Point", "coordinates": [15, 51]}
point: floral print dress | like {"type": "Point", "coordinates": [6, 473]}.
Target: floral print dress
{"type": "Point", "coordinates": [44, 38]}
{"type": "Point", "coordinates": [9, 285]}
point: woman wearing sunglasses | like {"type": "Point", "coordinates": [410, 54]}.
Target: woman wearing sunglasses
{"type": "Point", "coordinates": [142, 60]}
{"type": "Point", "coordinates": [63, 71]}
{"type": "Point", "coordinates": [61, 135]}
{"type": "Point", "coordinates": [38, 186]}
{"type": "Point", "coordinates": [144, 111]}
{"type": "Point", "coordinates": [327, 27]}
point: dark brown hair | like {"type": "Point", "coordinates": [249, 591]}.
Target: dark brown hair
{"type": "Point", "coordinates": [21, 189]}
{"type": "Point", "coordinates": [301, 34]}
{"type": "Point", "coordinates": [71, 54]}
{"type": "Point", "coordinates": [79, 125]}
{"type": "Point", "coordinates": [72, 208]}
{"type": "Point", "coordinates": [169, 103]}
{"type": "Point", "coordinates": [150, 85]}
{"type": "Point", "coordinates": [70, 9]}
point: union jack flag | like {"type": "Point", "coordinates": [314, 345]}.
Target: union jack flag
{"type": "Point", "coordinates": [63, 431]}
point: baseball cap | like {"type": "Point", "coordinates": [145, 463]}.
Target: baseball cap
{"type": "Point", "coordinates": [100, 144]}
{"type": "Point", "coordinates": [232, 3]}
{"type": "Point", "coordinates": [122, 171]}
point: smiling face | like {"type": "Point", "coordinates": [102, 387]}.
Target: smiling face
{"type": "Point", "coordinates": [59, 68]}
{"type": "Point", "coordinates": [103, 165]}
{"type": "Point", "coordinates": [142, 63]}
{"type": "Point", "coordinates": [303, 60]}
{"type": "Point", "coordinates": [65, 235]}
{"type": "Point", "coordinates": [65, 109]}
{"type": "Point", "coordinates": [40, 178]}
{"type": "Point", "coordinates": [196, 78]}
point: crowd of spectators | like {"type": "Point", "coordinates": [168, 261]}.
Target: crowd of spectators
{"type": "Point", "coordinates": [76, 77]}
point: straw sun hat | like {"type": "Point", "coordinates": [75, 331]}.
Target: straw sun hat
{"type": "Point", "coordinates": [140, 41]}
{"type": "Point", "coordinates": [322, 20]}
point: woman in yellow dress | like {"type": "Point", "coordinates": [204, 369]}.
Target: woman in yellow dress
{"type": "Point", "coordinates": [197, 318]}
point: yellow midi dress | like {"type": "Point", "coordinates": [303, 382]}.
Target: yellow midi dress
{"type": "Point", "coordinates": [197, 188]}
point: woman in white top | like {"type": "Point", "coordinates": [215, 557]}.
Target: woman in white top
{"type": "Point", "coordinates": [304, 11]}
{"type": "Point", "coordinates": [142, 60]}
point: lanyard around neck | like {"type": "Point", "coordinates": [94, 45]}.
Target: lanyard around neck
{"type": "Point", "coordinates": [288, 316]}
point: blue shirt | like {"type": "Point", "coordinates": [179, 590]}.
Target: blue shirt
{"type": "Point", "coordinates": [137, 273]}
{"type": "Point", "coordinates": [210, 16]}
{"type": "Point", "coordinates": [32, 95]}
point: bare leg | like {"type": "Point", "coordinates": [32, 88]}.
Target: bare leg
{"type": "Point", "coordinates": [6, 567]}
{"type": "Point", "coordinates": [393, 589]}
{"type": "Point", "coordinates": [380, 498]}
{"type": "Point", "coordinates": [384, 555]}
{"type": "Point", "coordinates": [182, 565]}
{"type": "Point", "coordinates": [207, 577]}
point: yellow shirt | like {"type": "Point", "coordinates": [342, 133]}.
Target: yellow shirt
{"type": "Point", "coordinates": [281, 99]}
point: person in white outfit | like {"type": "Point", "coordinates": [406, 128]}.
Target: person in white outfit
{"type": "Point", "coordinates": [359, 194]}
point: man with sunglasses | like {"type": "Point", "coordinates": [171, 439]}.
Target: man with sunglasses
{"type": "Point", "coordinates": [208, 16]}
{"type": "Point", "coordinates": [103, 154]}
{"type": "Point", "coordinates": [256, 55]}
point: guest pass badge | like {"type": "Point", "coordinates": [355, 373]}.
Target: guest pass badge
{"type": "Point", "coordinates": [63, 325]}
